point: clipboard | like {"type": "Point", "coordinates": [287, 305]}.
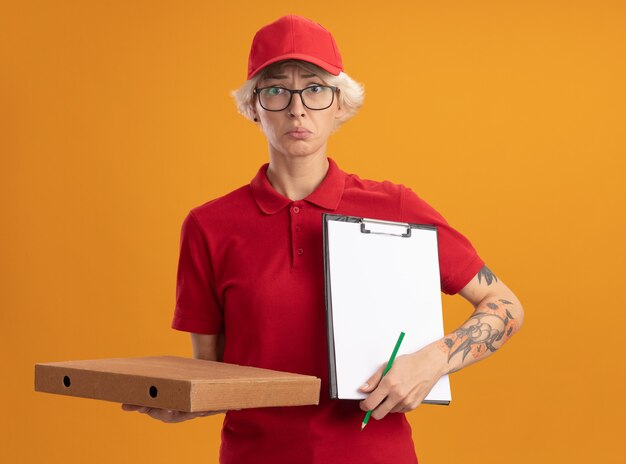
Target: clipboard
{"type": "Point", "coordinates": [380, 278]}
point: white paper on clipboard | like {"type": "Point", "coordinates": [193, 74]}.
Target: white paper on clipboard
{"type": "Point", "coordinates": [381, 278]}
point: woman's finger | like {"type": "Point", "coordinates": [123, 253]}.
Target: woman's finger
{"type": "Point", "coordinates": [371, 383]}
{"type": "Point", "coordinates": [131, 407]}
{"type": "Point", "coordinates": [169, 415]}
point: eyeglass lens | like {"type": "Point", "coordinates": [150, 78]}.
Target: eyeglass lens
{"type": "Point", "coordinates": [315, 97]}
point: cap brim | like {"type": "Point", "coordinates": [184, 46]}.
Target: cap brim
{"type": "Point", "coordinates": [334, 70]}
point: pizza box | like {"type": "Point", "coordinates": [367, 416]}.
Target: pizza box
{"type": "Point", "coordinates": [182, 384]}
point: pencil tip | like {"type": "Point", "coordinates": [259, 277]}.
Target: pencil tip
{"type": "Point", "coordinates": [362, 426]}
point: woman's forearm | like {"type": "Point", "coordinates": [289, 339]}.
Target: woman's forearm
{"type": "Point", "coordinates": [495, 319]}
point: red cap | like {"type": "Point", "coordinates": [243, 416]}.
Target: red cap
{"type": "Point", "coordinates": [294, 37]}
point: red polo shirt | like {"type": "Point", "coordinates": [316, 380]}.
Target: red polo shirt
{"type": "Point", "coordinates": [251, 264]}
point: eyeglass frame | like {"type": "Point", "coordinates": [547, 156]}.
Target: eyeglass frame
{"type": "Point", "coordinates": [292, 91]}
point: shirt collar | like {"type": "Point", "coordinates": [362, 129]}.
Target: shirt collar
{"type": "Point", "coordinates": [327, 195]}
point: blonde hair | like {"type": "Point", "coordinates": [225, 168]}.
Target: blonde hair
{"type": "Point", "coordinates": [350, 95]}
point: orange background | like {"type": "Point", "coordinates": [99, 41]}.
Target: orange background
{"type": "Point", "coordinates": [508, 117]}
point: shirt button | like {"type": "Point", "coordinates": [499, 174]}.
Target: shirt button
{"type": "Point", "coordinates": [300, 251]}
{"type": "Point", "coordinates": [296, 209]}
{"type": "Point", "coordinates": [298, 228]}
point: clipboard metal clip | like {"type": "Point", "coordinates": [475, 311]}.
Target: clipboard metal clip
{"type": "Point", "coordinates": [405, 227]}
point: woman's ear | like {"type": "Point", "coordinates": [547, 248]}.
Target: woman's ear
{"type": "Point", "coordinates": [340, 112]}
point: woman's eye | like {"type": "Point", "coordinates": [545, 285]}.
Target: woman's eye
{"type": "Point", "coordinates": [314, 89]}
{"type": "Point", "coordinates": [273, 91]}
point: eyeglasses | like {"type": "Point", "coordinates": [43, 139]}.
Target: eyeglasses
{"type": "Point", "coordinates": [314, 97]}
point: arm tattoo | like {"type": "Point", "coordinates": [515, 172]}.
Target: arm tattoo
{"type": "Point", "coordinates": [487, 274]}
{"type": "Point", "coordinates": [487, 329]}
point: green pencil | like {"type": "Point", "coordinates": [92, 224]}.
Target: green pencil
{"type": "Point", "coordinates": [389, 364]}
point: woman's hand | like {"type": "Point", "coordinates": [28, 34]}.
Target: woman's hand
{"type": "Point", "coordinates": [407, 383]}
{"type": "Point", "coordinates": [168, 415]}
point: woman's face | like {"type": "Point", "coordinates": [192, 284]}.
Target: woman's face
{"type": "Point", "coordinates": [314, 125]}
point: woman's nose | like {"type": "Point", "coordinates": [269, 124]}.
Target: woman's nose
{"type": "Point", "coordinates": [296, 107]}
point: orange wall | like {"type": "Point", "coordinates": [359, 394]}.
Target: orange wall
{"type": "Point", "coordinates": [508, 117]}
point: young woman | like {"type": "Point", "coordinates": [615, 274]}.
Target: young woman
{"type": "Point", "coordinates": [250, 286]}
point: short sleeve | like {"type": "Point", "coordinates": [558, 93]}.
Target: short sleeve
{"type": "Point", "coordinates": [197, 307]}
{"type": "Point", "coordinates": [458, 260]}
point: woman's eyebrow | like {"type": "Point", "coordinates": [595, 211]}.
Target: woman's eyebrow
{"type": "Point", "coordinates": [283, 76]}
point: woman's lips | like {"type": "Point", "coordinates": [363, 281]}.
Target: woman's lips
{"type": "Point", "coordinates": [299, 134]}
